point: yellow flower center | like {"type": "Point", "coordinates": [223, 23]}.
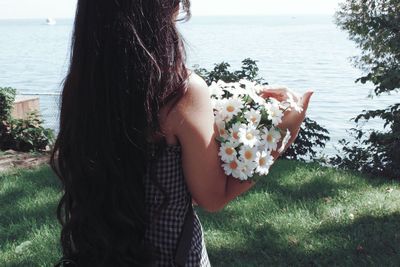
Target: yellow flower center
{"type": "Point", "coordinates": [230, 108]}
{"type": "Point", "coordinates": [229, 151]}
{"type": "Point", "coordinates": [236, 135]}
{"type": "Point", "coordinates": [269, 138]}
{"type": "Point", "coordinates": [248, 155]}
{"type": "Point", "coordinates": [249, 136]}
{"type": "Point", "coordinates": [233, 165]}
{"type": "Point", "coordinates": [262, 161]}
{"type": "Point", "coordinates": [253, 119]}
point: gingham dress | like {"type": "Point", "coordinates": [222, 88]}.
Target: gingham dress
{"type": "Point", "coordinates": [167, 201]}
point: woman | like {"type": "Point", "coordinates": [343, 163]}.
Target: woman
{"type": "Point", "coordinates": [137, 140]}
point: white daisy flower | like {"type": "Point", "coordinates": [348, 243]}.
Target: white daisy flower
{"type": "Point", "coordinates": [273, 101]}
{"type": "Point", "coordinates": [233, 88]}
{"type": "Point", "coordinates": [260, 88]}
{"type": "Point", "coordinates": [285, 141]}
{"type": "Point", "coordinates": [232, 106]}
{"type": "Point", "coordinates": [216, 91]}
{"type": "Point", "coordinates": [222, 84]}
{"type": "Point", "coordinates": [258, 99]}
{"type": "Point", "coordinates": [219, 103]}
{"type": "Point", "coordinates": [236, 86]}
{"type": "Point", "coordinates": [264, 160]}
{"type": "Point", "coordinates": [234, 133]}
{"type": "Point", "coordinates": [270, 138]}
{"type": "Point", "coordinates": [253, 116]}
{"type": "Point", "coordinates": [248, 153]}
{"type": "Point", "coordinates": [274, 113]}
{"type": "Point", "coordinates": [238, 92]}
{"type": "Point", "coordinates": [220, 118]}
{"type": "Point", "coordinates": [214, 103]}
{"type": "Point", "coordinates": [247, 170]}
{"type": "Point", "coordinates": [233, 168]}
{"type": "Point", "coordinates": [253, 89]}
{"type": "Point", "coordinates": [227, 152]}
{"type": "Point", "coordinates": [248, 84]}
{"type": "Point", "coordinates": [248, 135]}
{"type": "Point", "coordinates": [222, 129]}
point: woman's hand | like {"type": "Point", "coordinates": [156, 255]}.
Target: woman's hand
{"type": "Point", "coordinates": [280, 93]}
{"type": "Point", "coordinates": [293, 119]}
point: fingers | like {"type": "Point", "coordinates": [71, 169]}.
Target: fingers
{"type": "Point", "coordinates": [282, 94]}
{"type": "Point", "coordinates": [277, 93]}
{"type": "Point", "coordinates": [278, 96]}
{"type": "Point", "coordinates": [306, 100]}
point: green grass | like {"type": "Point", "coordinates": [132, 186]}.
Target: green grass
{"type": "Point", "coordinates": [299, 215]}
{"type": "Point", "coordinates": [28, 201]}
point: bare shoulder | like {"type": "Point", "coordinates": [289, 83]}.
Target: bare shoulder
{"type": "Point", "coordinates": [174, 114]}
{"type": "Point", "coordinates": [194, 102]}
{"type": "Point", "coordinates": [197, 91]}
{"type": "Point", "coordinates": [196, 82]}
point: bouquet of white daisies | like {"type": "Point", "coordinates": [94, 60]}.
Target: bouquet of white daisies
{"type": "Point", "coordinates": [248, 127]}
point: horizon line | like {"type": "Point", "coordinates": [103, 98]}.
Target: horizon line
{"type": "Point", "coordinates": [194, 16]}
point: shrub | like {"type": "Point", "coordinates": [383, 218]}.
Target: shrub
{"type": "Point", "coordinates": [373, 152]}
{"type": "Point", "coordinates": [311, 136]}
{"type": "Point", "coordinates": [7, 97]}
{"type": "Point", "coordinates": [375, 27]}
{"type": "Point", "coordinates": [29, 134]}
{"type": "Point", "coordinates": [249, 71]}
{"type": "Point", "coordinates": [21, 134]}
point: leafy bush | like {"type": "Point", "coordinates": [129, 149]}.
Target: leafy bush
{"type": "Point", "coordinates": [373, 152]}
{"type": "Point", "coordinates": [375, 27]}
{"type": "Point", "coordinates": [21, 134]}
{"type": "Point", "coordinates": [249, 71]}
{"type": "Point", "coordinates": [7, 97]}
{"type": "Point", "coordinates": [29, 134]}
{"type": "Point", "coordinates": [311, 136]}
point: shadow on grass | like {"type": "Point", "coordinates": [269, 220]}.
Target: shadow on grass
{"type": "Point", "coordinates": [18, 221]}
{"type": "Point", "coordinates": [316, 188]}
{"type": "Point", "coordinates": [9, 198]}
{"type": "Point", "coordinates": [374, 235]}
{"type": "Point", "coordinates": [318, 183]}
{"type": "Point", "coordinates": [367, 241]}
{"type": "Point", "coordinates": [43, 177]}
{"type": "Point", "coordinates": [311, 194]}
{"type": "Point", "coordinates": [22, 225]}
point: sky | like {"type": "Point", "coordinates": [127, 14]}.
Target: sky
{"type": "Point", "coordinates": [11, 9]}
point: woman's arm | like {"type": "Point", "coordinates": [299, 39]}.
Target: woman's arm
{"type": "Point", "coordinates": [193, 124]}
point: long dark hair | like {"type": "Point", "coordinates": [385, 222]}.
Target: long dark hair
{"type": "Point", "coordinates": [127, 61]}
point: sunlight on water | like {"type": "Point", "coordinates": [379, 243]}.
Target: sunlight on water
{"type": "Point", "coordinates": [299, 52]}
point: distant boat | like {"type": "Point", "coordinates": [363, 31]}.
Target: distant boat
{"type": "Point", "coordinates": [51, 21]}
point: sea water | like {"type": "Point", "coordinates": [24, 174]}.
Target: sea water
{"type": "Point", "coordinates": [301, 52]}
